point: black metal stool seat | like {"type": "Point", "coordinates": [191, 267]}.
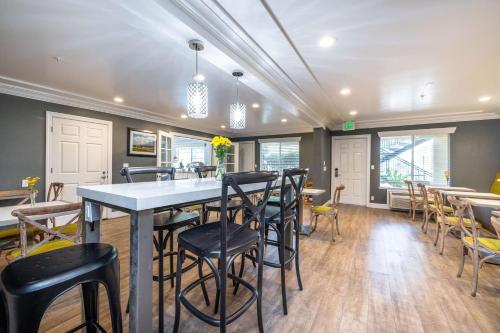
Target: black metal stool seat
{"type": "Point", "coordinates": [204, 241]}
{"type": "Point", "coordinates": [170, 220]}
{"type": "Point", "coordinates": [29, 285]}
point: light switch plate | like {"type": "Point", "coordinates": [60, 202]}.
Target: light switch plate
{"type": "Point", "coordinates": [372, 167]}
{"type": "Point", "coordinates": [372, 198]}
{"type": "Point", "coordinates": [125, 165]}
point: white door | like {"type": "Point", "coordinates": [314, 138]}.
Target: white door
{"type": "Point", "coordinates": [350, 169]}
{"type": "Point", "coordinates": [78, 153]}
{"type": "Point", "coordinates": [165, 146]}
{"type": "Point", "coordinates": [246, 156]}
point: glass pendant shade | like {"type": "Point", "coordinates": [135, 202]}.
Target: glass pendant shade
{"type": "Point", "coordinates": [237, 115]}
{"type": "Point", "coordinates": [197, 100]}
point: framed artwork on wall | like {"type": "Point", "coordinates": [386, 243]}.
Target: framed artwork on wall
{"type": "Point", "coordinates": [141, 143]}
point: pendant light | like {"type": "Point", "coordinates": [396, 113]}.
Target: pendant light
{"type": "Point", "coordinates": [197, 91]}
{"type": "Point", "coordinates": [237, 111]}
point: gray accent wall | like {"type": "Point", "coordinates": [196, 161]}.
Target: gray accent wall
{"type": "Point", "coordinates": [22, 138]}
{"type": "Point", "coordinates": [474, 153]}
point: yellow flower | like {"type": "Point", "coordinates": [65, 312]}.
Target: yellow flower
{"type": "Point", "coordinates": [220, 141]}
{"type": "Point", "coordinates": [32, 181]}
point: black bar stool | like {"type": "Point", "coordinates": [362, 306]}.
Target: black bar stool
{"type": "Point", "coordinates": [225, 242]}
{"type": "Point", "coordinates": [167, 221]}
{"type": "Point", "coordinates": [233, 205]}
{"type": "Point", "coordinates": [278, 216]}
{"type": "Point", "coordinates": [29, 285]}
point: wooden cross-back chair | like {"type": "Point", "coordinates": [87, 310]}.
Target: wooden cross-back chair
{"type": "Point", "coordinates": [415, 202]}
{"type": "Point", "coordinates": [55, 191]}
{"type": "Point", "coordinates": [447, 223]}
{"type": "Point", "coordinates": [481, 248]}
{"type": "Point", "coordinates": [23, 195]}
{"type": "Point", "coordinates": [329, 210]}
{"type": "Point", "coordinates": [55, 238]}
{"type": "Point", "coordinates": [429, 209]}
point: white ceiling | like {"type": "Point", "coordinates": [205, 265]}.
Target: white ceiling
{"type": "Point", "coordinates": [386, 52]}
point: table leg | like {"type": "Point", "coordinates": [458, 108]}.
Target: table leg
{"type": "Point", "coordinates": [141, 271]}
{"type": "Point", "coordinates": [303, 229]}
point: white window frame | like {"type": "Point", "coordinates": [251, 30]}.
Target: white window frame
{"type": "Point", "coordinates": [278, 140]}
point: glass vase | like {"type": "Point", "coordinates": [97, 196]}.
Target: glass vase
{"type": "Point", "coordinates": [221, 169]}
{"type": "Point", "coordinates": [33, 194]}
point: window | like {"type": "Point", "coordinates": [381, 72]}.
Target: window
{"type": "Point", "coordinates": [279, 154]}
{"type": "Point", "coordinates": [187, 150]}
{"type": "Point", "coordinates": [421, 156]}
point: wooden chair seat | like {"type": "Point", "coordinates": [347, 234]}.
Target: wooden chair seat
{"type": "Point", "coordinates": [490, 243]}
{"type": "Point", "coordinates": [324, 209]}
{"type": "Point", "coordinates": [446, 209]}
{"type": "Point", "coordinates": [46, 247]}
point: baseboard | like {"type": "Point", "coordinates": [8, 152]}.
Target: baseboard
{"type": "Point", "coordinates": [378, 205]}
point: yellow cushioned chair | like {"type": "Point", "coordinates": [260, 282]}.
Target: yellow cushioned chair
{"type": "Point", "coordinates": [46, 247]}
{"type": "Point", "coordinates": [330, 211]}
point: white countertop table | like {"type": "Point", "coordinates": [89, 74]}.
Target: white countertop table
{"type": "Point", "coordinates": [7, 221]}
{"type": "Point", "coordinates": [141, 200]}
{"type": "Point", "coordinates": [477, 195]}
{"type": "Point", "coordinates": [451, 188]}
{"type": "Point", "coordinates": [489, 203]}
{"type": "Point", "coordinates": [496, 213]}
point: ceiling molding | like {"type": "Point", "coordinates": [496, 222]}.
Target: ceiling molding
{"type": "Point", "coordinates": [273, 131]}
{"type": "Point", "coordinates": [47, 94]}
{"type": "Point", "coordinates": [213, 22]}
{"type": "Point", "coordinates": [425, 119]}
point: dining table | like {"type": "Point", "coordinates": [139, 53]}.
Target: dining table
{"type": "Point", "coordinates": [451, 188]}
{"type": "Point", "coordinates": [476, 195]}
{"type": "Point", "coordinates": [141, 201]}
{"type": "Point", "coordinates": [7, 221]}
{"type": "Point", "coordinates": [496, 213]}
{"type": "Point", "coordinates": [312, 192]}
{"type": "Point", "coordinates": [488, 203]}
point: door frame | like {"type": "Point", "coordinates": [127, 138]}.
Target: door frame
{"type": "Point", "coordinates": [368, 138]}
{"type": "Point", "coordinates": [253, 151]}
{"type": "Point", "coordinates": [50, 115]}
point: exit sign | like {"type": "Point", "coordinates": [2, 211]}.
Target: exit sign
{"type": "Point", "coordinates": [348, 125]}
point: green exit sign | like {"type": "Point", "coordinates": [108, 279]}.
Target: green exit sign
{"type": "Point", "coordinates": [348, 125]}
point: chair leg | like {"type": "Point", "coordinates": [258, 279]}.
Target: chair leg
{"type": "Point", "coordinates": [90, 303]}
{"type": "Point", "coordinates": [24, 315]}
{"type": "Point", "coordinates": [217, 292]}
{"type": "Point", "coordinates": [160, 280]}
{"type": "Point", "coordinates": [297, 256]}
{"type": "Point", "coordinates": [414, 211]}
{"type": "Point", "coordinates": [411, 207]}
{"type": "Point", "coordinates": [113, 288]}
{"type": "Point", "coordinates": [203, 287]}
{"type": "Point", "coordinates": [438, 227]}
{"type": "Point", "coordinates": [282, 266]}
{"type": "Point", "coordinates": [223, 284]}
{"type": "Point", "coordinates": [462, 261]}
{"type": "Point", "coordinates": [260, 270]}
{"type": "Point", "coordinates": [240, 274]}
{"type": "Point", "coordinates": [332, 222]}
{"type": "Point", "coordinates": [178, 277]}
{"type": "Point", "coordinates": [337, 223]}
{"type": "Point", "coordinates": [445, 230]}
{"type": "Point", "coordinates": [475, 272]}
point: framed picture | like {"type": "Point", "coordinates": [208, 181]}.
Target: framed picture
{"type": "Point", "coordinates": [141, 143]}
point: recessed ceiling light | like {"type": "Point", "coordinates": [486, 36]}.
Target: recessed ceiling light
{"type": "Point", "coordinates": [222, 126]}
{"type": "Point", "coordinates": [255, 105]}
{"type": "Point", "coordinates": [184, 116]}
{"type": "Point", "coordinates": [118, 99]}
{"type": "Point", "coordinates": [284, 120]}
{"type": "Point", "coordinates": [345, 91]}
{"type": "Point", "coordinates": [353, 112]}
{"type": "Point", "coordinates": [484, 99]}
{"type": "Point", "coordinates": [326, 41]}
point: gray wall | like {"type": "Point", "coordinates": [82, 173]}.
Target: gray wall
{"type": "Point", "coordinates": [22, 138]}
{"type": "Point", "coordinates": [474, 153]}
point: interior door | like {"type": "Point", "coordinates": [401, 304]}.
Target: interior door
{"type": "Point", "coordinates": [78, 154]}
{"type": "Point", "coordinates": [350, 169]}
{"type": "Point", "coordinates": [165, 146]}
{"type": "Point", "coordinates": [246, 156]}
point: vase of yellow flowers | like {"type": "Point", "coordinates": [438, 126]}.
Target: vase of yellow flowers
{"type": "Point", "coordinates": [221, 146]}
{"type": "Point", "coordinates": [32, 181]}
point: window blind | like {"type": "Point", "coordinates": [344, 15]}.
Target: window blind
{"type": "Point", "coordinates": [279, 155]}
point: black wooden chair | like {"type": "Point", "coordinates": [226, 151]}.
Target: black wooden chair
{"type": "Point", "coordinates": [29, 285]}
{"type": "Point", "coordinates": [225, 242]}
{"type": "Point", "coordinates": [167, 221]}
{"type": "Point", "coordinates": [233, 205]}
{"type": "Point", "coordinates": [278, 218]}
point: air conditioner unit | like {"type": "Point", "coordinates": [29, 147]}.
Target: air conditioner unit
{"type": "Point", "coordinates": [398, 199]}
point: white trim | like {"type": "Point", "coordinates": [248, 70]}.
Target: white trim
{"type": "Point", "coordinates": [426, 131]}
{"type": "Point", "coordinates": [426, 119]}
{"type": "Point", "coordinates": [378, 205]}
{"type": "Point", "coordinates": [47, 94]}
{"type": "Point", "coordinates": [368, 138]}
{"type": "Point", "coordinates": [279, 130]}
{"type": "Point", "coordinates": [189, 136]}
{"type": "Point", "coordinates": [49, 118]}
{"type": "Point", "coordinates": [285, 139]}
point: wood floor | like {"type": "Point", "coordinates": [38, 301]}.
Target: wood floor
{"type": "Point", "coordinates": [382, 275]}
